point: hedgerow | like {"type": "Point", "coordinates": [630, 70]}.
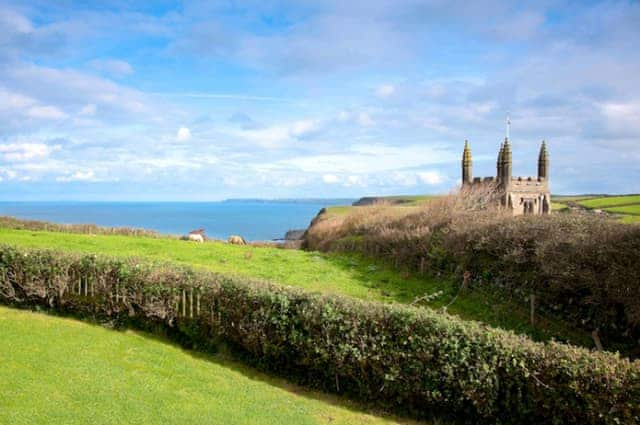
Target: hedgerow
{"type": "Point", "coordinates": [20, 224]}
{"type": "Point", "coordinates": [580, 267]}
{"type": "Point", "coordinates": [401, 358]}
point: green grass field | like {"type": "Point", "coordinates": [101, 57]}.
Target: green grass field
{"type": "Point", "coordinates": [60, 371]}
{"type": "Point", "coordinates": [345, 274]}
{"type": "Point", "coordinates": [625, 207]}
{"type": "Point", "coordinates": [610, 201]}
{"type": "Point", "coordinates": [327, 273]}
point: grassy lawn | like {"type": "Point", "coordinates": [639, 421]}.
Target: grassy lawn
{"type": "Point", "coordinates": [346, 274]}
{"type": "Point", "coordinates": [61, 371]}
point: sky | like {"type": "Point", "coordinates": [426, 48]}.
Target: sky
{"type": "Point", "coordinates": [202, 101]}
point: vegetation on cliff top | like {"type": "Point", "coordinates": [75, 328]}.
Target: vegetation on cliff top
{"type": "Point", "coordinates": [580, 267]}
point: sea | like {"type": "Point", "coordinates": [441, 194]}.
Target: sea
{"type": "Point", "coordinates": [253, 219]}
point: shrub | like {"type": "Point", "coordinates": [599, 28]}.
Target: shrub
{"type": "Point", "coordinates": [15, 223]}
{"type": "Point", "coordinates": [582, 267]}
{"type": "Point", "coordinates": [398, 357]}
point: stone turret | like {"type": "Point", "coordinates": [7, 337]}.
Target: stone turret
{"type": "Point", "coordinates": [543, 162]}
{"type": "Point", "coordinates": [467, 175]}
{"type": "Point", "coordinates": [506, 162]}
{"type": "Point", "coordinates": [499, 163]}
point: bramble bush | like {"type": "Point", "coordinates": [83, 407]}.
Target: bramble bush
{"type": "Point", "coordinates": [581, 267]}
{"type": "Point", "coordinates": [398, 357]}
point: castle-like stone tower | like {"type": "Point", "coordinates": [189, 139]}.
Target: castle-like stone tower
{"type": "Point", "coordinates": [522, 195]}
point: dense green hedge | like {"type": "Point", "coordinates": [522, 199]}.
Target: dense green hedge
{"type": "Point", "coordinates": [582, 268]}
{"type": "Point", "coordinates": [401, 358]}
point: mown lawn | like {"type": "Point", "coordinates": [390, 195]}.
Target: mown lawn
{"type": "Point", "coordinates": [60, 371]}
{"type": "Point", "coordinates": [346, 274]}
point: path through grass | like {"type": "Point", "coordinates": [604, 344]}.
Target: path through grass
{"type": "Point", "coordinates": [60, 371]}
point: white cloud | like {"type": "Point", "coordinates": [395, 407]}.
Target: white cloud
{"type": "Point", "coordinates": [386, 90]}
{"type": "Point", "coordinates": [431, 178]}
{"type": "Point", "coordinates": [13, 101]}
{"type": "Point", "coordinates": [370, 158]}
{"type": "Point", "coordinates": [404, 179]}
{"type": "Point", "coordinates": [88, 109]}
{"type": "Point", "coordinates": [7, 174]}
{"type": "Point", "coordinates": [183, 134]}
{"type": "Point", "coordinates": [26, 151]}
{"type": "Point", "coordinates": [365, 120]}
{"type": "Point", "coordinates": [46, 113]}
{"type": "Point", "coordinates": [115, 67]}
{"type": "Point", "coordinates": [330, 178]}
{"type": "Point", "coordinates": [303, 128]}
{"type": "Point", "coordinates": [354, 181]}
{"type": "Point", "coordinates": [81, 176]}
{"type": "Point", "coordinates": [279, 136]}
{"type": "Point", "coordinates": [361, 118]}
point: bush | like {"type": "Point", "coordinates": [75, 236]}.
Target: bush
{"type": "Point", "coordinates": [15, 223]}
{"type": "Point", "coordinates": [581, 267]}
{"type": "Point", "coordinates": [398, 357]}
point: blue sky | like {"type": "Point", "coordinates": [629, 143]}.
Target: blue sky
{"type": "Point", "coordinates": [211, 100]}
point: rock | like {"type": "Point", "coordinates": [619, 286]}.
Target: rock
{"type": "Point", "coordinates": [236, 240]}
{"type": "Point", "coordinates": [294, 235]}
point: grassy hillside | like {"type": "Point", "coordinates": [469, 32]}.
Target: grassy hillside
{"type": "Point", "coordinates": [327, 273]}
{"type": "Point", "coordinates": [347, 274]}
{"type": "Point", "coordinates": [60, 371]}
{"type": "Point", "coordinates": [626, 207]}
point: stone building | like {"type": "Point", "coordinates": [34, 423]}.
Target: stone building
{"type": "Point", "coordinates": [522, 195]}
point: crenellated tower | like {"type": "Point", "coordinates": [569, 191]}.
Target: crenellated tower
{"type": "Point", "coordinates": [499, 163]}
{"type": "Point", "coordinates": [506, 162]}
{"type": "Point", "coordinates": [543, 162]}
{"type": "Point", "coordinates": [467, 175]}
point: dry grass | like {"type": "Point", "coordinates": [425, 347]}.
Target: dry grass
{"type": "Point", "coordinates": [386, 221]}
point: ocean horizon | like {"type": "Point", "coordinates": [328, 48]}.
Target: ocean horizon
{"type": "Point", "coordinates": [253, 219]}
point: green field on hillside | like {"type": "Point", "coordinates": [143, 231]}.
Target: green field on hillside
{"type": "Point", "coordinates": [327, 273]}
{"type": "Point", "coordinates": [61, 371]}
{"type": "Point", "coordinates": [346, 274]}
{"type": "Point", "coordinates": [407, 199]}
{"type": "Point", "coordinates": [610, 201]}
{"type": "Point", "coordinates": [626, 207]}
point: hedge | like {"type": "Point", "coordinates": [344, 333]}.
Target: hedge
{"type": "Point", "coordinates": [400, 358]}
{"type": "Point", "coordinates": [582, 268]}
